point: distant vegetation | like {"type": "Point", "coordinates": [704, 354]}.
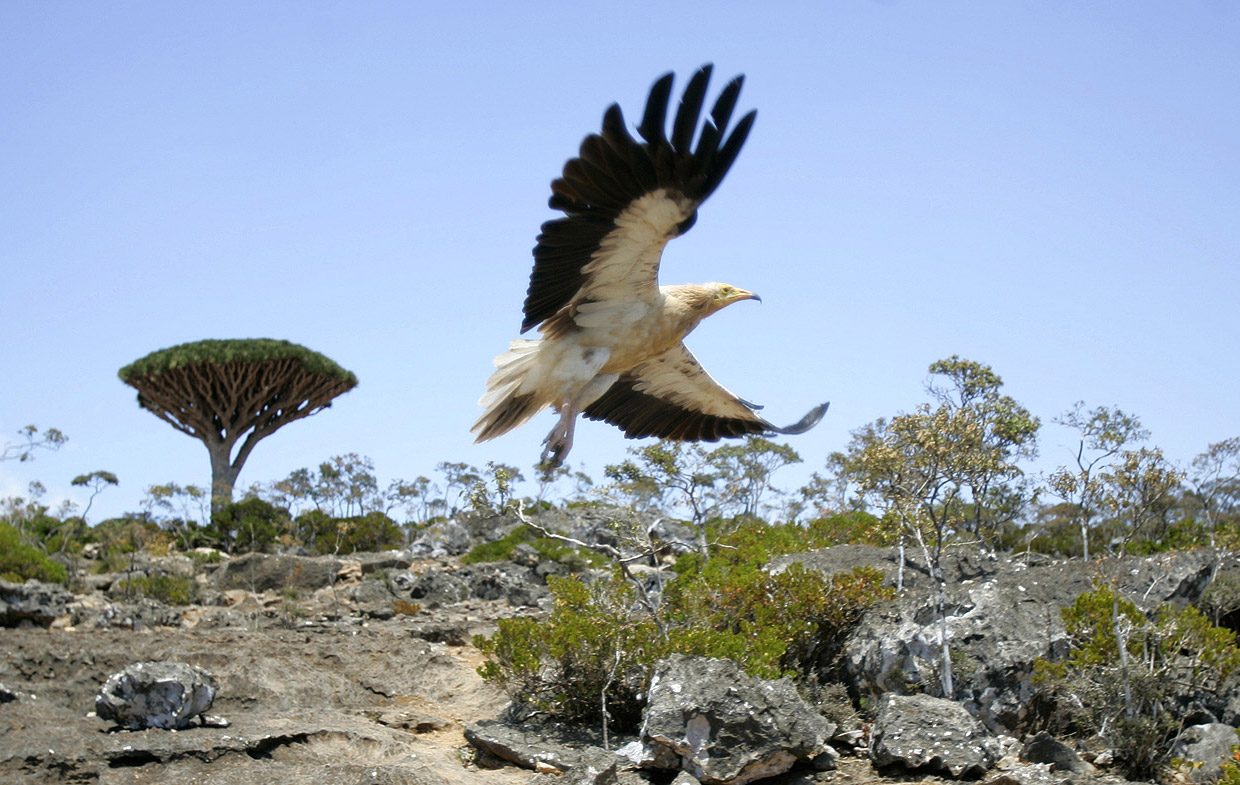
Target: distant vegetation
{"type": "Point", "coordinates": [951, 471]}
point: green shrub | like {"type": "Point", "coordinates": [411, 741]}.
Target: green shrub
{"type": "Point", "coordinates": [168, 589]}
{"type": "Point", "coordinates": [502, 549]}
{"type": "Point", "coordinates": [20, 562]}
{"type": "Point", "coordinates": [851, 528]}
{"type": "Point", "coordinates": [251, 524]}
{"type": "Point", "coordinates": [374, 531]}
{"type": "Point", "coordinates": [601, 642]}
{"type": "Point", "coordinates": [1172, 656]}
{"type": "Point", "coordinates": [591, 646]}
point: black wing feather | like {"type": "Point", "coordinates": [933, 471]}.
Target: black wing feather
{"type": "Point", "coordinates": [655, 116]}
{"type": "Point", "coordinates": [689, 110]}
{"type": "Point", "coordinates": [614, 169]}
{"type": "Point", "coordinates": [640, 415]}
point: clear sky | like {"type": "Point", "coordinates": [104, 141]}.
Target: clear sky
{"type": "Point", "coordinates": [1051, 188]}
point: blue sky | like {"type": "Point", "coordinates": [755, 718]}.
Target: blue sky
{"type": "Point", "coordinates": [1049, 188]}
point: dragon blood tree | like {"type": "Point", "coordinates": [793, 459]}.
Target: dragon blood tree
{"type": "Point", "coordinates": [229, 391]}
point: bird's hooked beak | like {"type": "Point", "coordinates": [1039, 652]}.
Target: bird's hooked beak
{"type": "Point", "coordinates": [731, 294]}
{"type": "Point", "coordinates": [741, 294]}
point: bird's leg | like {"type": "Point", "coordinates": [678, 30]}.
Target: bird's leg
{"type": "Point", "coordinates": [560, 440]}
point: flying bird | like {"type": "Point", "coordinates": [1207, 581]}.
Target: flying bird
{"type": "Point", "coordinates": [611, 337]}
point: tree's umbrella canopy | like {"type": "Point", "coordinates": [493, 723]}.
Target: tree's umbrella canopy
{"type": "Point", "coordinates": [219, 391]}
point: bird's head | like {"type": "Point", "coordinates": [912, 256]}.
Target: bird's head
{"type": "Point", "coordinates": [724, 294]}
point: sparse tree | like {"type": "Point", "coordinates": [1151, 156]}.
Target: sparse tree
{"type": "Point", "coordinates": [187, 507]}
{"type": "Point", "coordinates": [493, 495]}
{"type": "Point", "coordinates": [1103, 433]}
{"type": "Point", "coordinates": [1138, 491]}
{"type": "Point", "coordinates": [831, 492]}
{"type": "Point", "coordinates": [459, 479]}
{"type": "Point", "coordinates": [233, 393]}
{"type": "Point", "coordinates": [745, 470]}
{"type": "Point", "coordinates": [346, 486]}
{"type": "Point", "coordinates": [1215, 482]}
{"type": "Point", "coordinates": [412, 497]}
{"type": "Point", "coordinates": [97, 481]}
{"type": "Point", "coordinates": [668, 475]}
{"type": "Point", "coordinates": [936, 473]}
{"type": "Point", "coordinates": [32, 439]}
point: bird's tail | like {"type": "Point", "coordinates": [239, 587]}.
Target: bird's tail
{"type": "Point", "coordinates": [505, 406]}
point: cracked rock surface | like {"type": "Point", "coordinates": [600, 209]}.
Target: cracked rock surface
{"type": "Point", "coordinates": [330, 703]}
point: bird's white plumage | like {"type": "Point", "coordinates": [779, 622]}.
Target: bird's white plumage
{"type": "Point", "coordinates": [610, 343]}
{"type": "Point", "coordinates": [626, 264]}
{"type": "Point", "coordinates": [677, 376]}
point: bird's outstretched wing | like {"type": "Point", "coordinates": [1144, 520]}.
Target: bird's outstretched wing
{"type": "Point", "coordinates": [623, 199]}
{"type": "Point", "coordinates": [673, 397]}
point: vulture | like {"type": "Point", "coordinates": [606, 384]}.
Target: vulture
{"type": "Point", "coordinates": [611, 338]}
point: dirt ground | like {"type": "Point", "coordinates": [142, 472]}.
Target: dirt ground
{"type": "Point", "coordinates": [340, 702]}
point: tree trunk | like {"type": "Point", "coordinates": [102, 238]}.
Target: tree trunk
{"type": "Point", "coordinates": [223, 475]}
{"type": "Point", "coordinates": [945, 654]}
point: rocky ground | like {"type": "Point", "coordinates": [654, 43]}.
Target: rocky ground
{"type": "Point", "coordinates": [360, 670]}
{"type": "Point", "coordinates": [309, 702]}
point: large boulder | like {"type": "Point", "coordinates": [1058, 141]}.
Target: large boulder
{"type": "Point", "coordinates": [924, 732]}
{"type": "Point", "coordinates": [443, 538]}
{"type": "Point", "coordinates": [161, 694]}
{"type": "Point", "coordinates": [709, 718]}
{"type": "Point", "coordinates": [259, 572]}
{"type": "Point", "coordinates": [1003, 613]}
{"type": "Point", "coordinates": [1206, 748]}
{"type": "Point", "coordinates": [32, 603]}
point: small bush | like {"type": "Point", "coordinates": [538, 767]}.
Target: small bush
{"type": "Point", "coordinates": [205, 558]}
{"type": "Point", "coordinates": [291, 611]}
{"type": "Point", "coordinates": [1173, 658]}
{"type": "Point", "coordinates": [406, 608]}
{"type": "Point", "coordinates": [502, 549]}
{"type": "Point", "coordinates": [592, 648]}
{"type": "Point", "coordinates": [20, 562]}
{"type": "Point", "coordinates": [168, 589]}
{"type": "Point", "coordinates": [600, 643]}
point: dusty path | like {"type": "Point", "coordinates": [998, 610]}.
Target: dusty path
{"type": "Point", "coordinates": [335, 703]}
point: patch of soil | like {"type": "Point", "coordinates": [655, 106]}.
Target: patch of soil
{"type": "Point", "coordinates": [342, 702]}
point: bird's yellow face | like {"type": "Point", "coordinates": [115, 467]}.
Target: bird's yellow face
{"type": "Point", "coordinates": [726, 294]}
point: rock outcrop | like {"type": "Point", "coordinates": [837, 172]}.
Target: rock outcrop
{"type": "Point", "coordinates": [710, 719]}
{"type": "Point", "coordinates": [1207, 747]}
{"type": "Point", "coordinates": [1002, 614]}
{"type": "Point", "coordinates": [32, 603]}
{"type": "Point", "coordinates": [1044, 748]}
